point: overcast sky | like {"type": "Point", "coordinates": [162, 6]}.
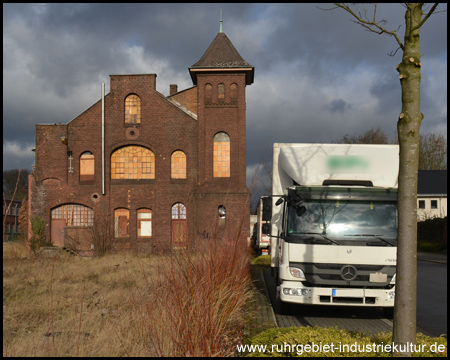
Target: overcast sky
{"type": "Point", "coordinates": [318, 76]}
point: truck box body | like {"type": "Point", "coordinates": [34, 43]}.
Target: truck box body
{"type": "Point", "coordinates": [340, 240]}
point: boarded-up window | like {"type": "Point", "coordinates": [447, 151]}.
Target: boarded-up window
{"type": "Point", "coordinates": [221, 91]}
{"type": "Point", "coordinates": [144, 223]}
{"type": "Point", "coordinates": [87, 166]}
{"type": "Point", "coordinates": [121, 223]}
{"type": "Point", "coordinates": [208, 92]}
{"type": "Point", "coordinates": [178, 165]}
{"type": "Point", "coordinates": [132, 109]}
{"type": "Point", "coordinates": [74, 214]}
{"type": "Point", "coordinates": [133, 162]}
{"type": "Point", "coordinates": [233, 91]}
{"type": "Point", "coordinates": [221, 155]}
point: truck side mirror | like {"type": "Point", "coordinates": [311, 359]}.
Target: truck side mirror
{"type": "Point", "coordinates": [266, 229]}
{"type": "Point", "coordinates": [267, 209]}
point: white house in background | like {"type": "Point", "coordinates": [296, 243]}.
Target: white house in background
{"type": "Point", "coordinates": [432, 194]}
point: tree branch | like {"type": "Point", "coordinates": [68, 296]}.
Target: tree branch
{"type": "Point", "coordinates": [425, 18]}
{"type": "Point", "coordinates": [369, 25]}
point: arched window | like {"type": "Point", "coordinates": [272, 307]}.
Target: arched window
{"type": "Point", "coordinates": [144, 223]}
{"type": "Point", "coordinates": [132, 109]}
{"type": "Point", "coordinates": [133, 162]}
{"type": "Point", "coordinates": [221, 155]}
{"type": "Point", "coordinates": [121, 223]}
{"type": "Point", "coordinates": [87, 166]}
{"type": "Point", "coordinates": [221, 91]}
{"type": "Point", "coordinates": [233, 91]}
{"type": "Point", "coordinates": [178, 165]}
{"type": "Point", "coordinates": [208, 92]}
{"type": "Point", "coordinates": [74, 214]}
{"type": "Point", "coordinates": [179, 228]}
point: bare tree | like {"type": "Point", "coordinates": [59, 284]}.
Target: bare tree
{"type": "Point", "coordinates": [432, 152]}
{"type": "Point", "coordinates": [408, 126]}
{"type": "Point", "coordinates": [371, 136]}
{"type": "Point", "coordinates": [15, 180]}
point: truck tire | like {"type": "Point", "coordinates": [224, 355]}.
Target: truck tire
{"type": "Point", "coordinates": [281, 307]}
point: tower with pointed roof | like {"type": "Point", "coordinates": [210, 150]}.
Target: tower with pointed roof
{"type": "Point", "coordinates": [221, 76]}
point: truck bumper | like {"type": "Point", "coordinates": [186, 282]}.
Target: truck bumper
{"type": "Point", "coordinates": [294, 292]}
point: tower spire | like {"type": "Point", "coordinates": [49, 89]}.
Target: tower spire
{"type": "Point", "coordinates": [221, 21]}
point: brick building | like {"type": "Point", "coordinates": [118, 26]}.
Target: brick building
{"type": "Point", "coordinates": [153, 171]}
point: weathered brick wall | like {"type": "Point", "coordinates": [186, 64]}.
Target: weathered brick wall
{"type": "Point", "coordinates": [163, 129]}
{"type": "Point", "coordinates": [187, 98]}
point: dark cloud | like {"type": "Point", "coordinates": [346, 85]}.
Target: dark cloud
{"type": "Point", "coordinates": [318, 75]}
{"type": "Point", "coordinates": [338, 105]}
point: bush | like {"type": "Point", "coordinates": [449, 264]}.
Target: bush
{"type": "Point", "coordinates": [38, 239]}
{"type": "Point", "coordinates": [294, 341]}
{"type": "Point", "coordinates": [263, 260]}
{"type": "Point", "coordinates": [432, 235]}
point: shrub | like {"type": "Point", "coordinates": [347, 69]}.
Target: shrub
{"type": "Point", "coordinates": [293, 341]}
{"type": "Point", "coordinates": [432, 235]}
{"type": "Point", "coordinates": [262, 260]}
{"type": "Point", "coordinates": [38, 239]}
{"type": "Point", "coordinates": [195, 305]}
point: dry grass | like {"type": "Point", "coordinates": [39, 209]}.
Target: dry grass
{"type": "Point", "coordinates": [125, 304]}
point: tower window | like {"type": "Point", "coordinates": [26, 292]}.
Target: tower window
{"type": "Point", "coordinates": [132, 109]}
{"type": "Point", "coordinates": [233, 91]}
{"type": "Point", "coordinates": [208, 92]}
{"type": "Point", "coordinates": [221, 155]}
{"type": "Point", "coordinates": [221, 91]}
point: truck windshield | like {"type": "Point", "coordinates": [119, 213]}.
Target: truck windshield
{"type": "Point", "coordinates": [346, 220]}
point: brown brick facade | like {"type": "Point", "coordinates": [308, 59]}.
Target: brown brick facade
{"type": "Point", "coordinates": [184, 121]}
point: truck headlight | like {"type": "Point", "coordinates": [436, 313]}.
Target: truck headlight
{"type": "Point", "coordinates": [297, 273]}
{"type": "Point", "coordinates": [295, 292]}
{"type": "Point", "coordinates": [393, 279]}
{"type": "Point", "coordinates": [391, 295]}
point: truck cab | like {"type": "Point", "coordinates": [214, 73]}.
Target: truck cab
{"type": "Point", "coordinates": [334, 231]}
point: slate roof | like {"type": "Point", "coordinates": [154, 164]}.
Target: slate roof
{"type": "Point", "coordinates": [432, 182]}
{"type": "Point", "coordinates": [221, 54]}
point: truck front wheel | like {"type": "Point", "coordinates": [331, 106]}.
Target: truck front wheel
{"type": "Point", "coordinates": [281, 307]}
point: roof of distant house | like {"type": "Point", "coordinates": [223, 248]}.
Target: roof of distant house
{"type": "Point", "coordinates": [432, 182]}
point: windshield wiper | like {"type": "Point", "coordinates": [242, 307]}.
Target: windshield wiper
{"type": "Point", "coordinates": [320, 234]}
{"type": "Point", "coordinates": [376, 237]}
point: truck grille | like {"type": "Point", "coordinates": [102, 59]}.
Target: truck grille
{"type": "Point", "coordinates": [353, 275]}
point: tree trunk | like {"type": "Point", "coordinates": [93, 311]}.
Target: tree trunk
{"type": "Point", "coordinates": [404, 332]}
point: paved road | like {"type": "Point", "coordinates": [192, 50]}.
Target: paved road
{"type": "Point", "coordinates": [431, 307]}
{"type": "Point", "coordinates": [432, 297]}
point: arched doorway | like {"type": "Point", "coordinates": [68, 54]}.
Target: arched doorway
{"type": "Point", "coordinates": [179, 225]}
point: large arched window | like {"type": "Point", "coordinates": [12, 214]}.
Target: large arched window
{"type": "Point", "coordinates": [221, 155]}
{"type": "Point", "coordinates": [87, 166]}
{"type": "Point", "coordinates": [74, 214]}
{"type": "Point", "coordinates": [133, 162]}
{"type": "Point", "coordinates": [132, 109]}
{"type": "Point", "coordinates": [178, 165]}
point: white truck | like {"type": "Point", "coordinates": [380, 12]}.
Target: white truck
{"type": "Point", "coordinates": [261, 241]}
{"type": "Point", "coordinates": [333, 224]}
